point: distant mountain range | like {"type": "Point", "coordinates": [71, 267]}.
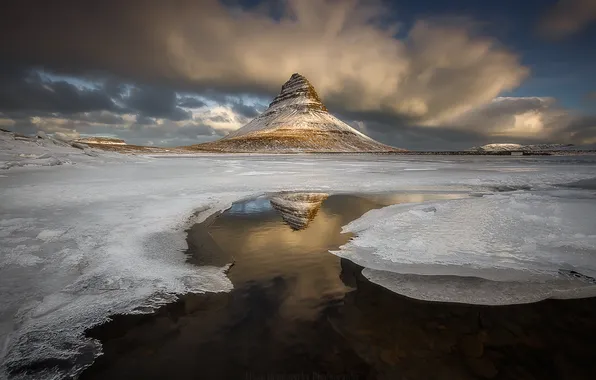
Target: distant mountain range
{"type": "Point", "coordinates": [296, 121]}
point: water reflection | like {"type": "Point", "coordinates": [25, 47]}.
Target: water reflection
{"type": "Point", "coordinates": [298, 209]}
{"type": "Point", "coordinates": [297, 310]}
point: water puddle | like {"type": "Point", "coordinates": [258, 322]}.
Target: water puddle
{"type": "Point", "coordinates": [299, 312]}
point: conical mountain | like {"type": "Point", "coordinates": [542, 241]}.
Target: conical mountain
{"type": "Point", "coordinates": [296, 121]}
{"type": "Point", "coordinates": [298, 209]}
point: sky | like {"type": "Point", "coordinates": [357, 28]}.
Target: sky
{"type": "Point", "coordinates": [420, 75]}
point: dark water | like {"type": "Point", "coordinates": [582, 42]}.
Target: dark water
{"type": "Point", "coordinates": [299, 312]}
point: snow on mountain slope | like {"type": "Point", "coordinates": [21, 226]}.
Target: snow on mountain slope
{"type": "Point", "coordinates": [296, 121]}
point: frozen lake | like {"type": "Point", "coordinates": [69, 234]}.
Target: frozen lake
{"type": "Point", "coordinates": [82, 242]}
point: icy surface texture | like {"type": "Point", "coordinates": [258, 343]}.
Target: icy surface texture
{"type": "Point", "coordinates": [79, 243]}
{"type": "Point", "coordinates": [525, 243]}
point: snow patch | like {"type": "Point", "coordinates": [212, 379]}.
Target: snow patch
{"type": "Point", "coordinates": [48, 235]}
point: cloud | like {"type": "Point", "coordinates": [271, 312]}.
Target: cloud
{"type": "Point", "coordinates": [245, 110]}
{"type": "Point", "coordinates": [152, 101]}
{"type": "Point", "coordinates": [419, 138]}
{"type": "Point", "coordinates": [517, 117]}
{"type": "Point", "coordinates": [505, 119]}
{"type": "Point", "coordinates": [25, 90]}
{"type": "Point", "coordinates": [347, 49]}
{"type": "Point", "coordinates": [201, 126]}
{"type": "Point", "coordinates": [170, 72]}
{"type": "Point", "coordinates": [104, 117]}
{"type": "Point", "coordinates": [190, 102]}
{"type": "Point", "coordinates": [568, 17]}
{"type": "Point", "coordinates": [221, 118]}
{"type": "Point", "coordinates": [582, 129]}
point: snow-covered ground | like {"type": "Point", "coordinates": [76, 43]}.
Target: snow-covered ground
{"type": "Point", "coordinates": [43, 150]}
{"type": "Point", "coordinates": [81, 242]}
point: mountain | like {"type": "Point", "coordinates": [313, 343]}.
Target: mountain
{"type": "Point", "coordinates": [520, 148]}
{"type": "Point", "coordinates": [296, 121]}
{"type": "Point", "coordinates": [298, 209]}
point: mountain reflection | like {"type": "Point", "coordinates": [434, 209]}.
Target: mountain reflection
{"type": "Point", "coordinates": [254, 236]}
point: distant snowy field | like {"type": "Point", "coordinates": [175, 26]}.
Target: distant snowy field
{"type": "Point", "coordinates": [101, 235]}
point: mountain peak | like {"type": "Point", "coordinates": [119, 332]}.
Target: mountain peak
{"type": "Point", "coordinates": [296, 121]}
{"type": "Point", "coordinates": [298, 91]}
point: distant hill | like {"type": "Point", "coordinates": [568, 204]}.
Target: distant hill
{"type": "Point", "coordinates": [508, 147]}
{"type": "Point", "coordinates": [101, 140]}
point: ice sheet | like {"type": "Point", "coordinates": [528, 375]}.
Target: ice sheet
{"type": "Point", "coordinates": [475, 290]}
{"type": "Point", "coordinates": [81, 242]}
{"type": "Point", "coordinates": [517, 242]}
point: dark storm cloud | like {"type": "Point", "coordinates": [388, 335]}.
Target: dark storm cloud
{"type": "Point", "coordinates": [432, 88]}
{"type": "Point", "coordinates": [170, 134]}
{"type": "Point", "coordinates": [244, 109]}
{"type": "Point", "coordinates": [193, 131]}
{"type": "Point", "coordinates": [582, 129]}
{"type": "Point", "coordinates": [24, 90]}
{"type": "Point", "coordinates": [102, 117]}
{"type": "Point", "coordinates": [157, 102]}
{"type": "Point", "coordinates": [200, 45]}
{"type": "Point", "coordinates": [190, 102]}
{"type": "Point", "coordinates": [396, 133]}
{"type": "Point", "coordinates": [114, 87]}
{"type": "Point", "coordinates": [548, 123]}
{"type": "Point", "coordinates": [145, 120]}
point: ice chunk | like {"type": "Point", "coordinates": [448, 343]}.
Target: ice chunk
{"type": "Point", "coordinates": [516, 237]}
{"type": "Point", "coordinates": [49, 234]}
{"type": "Point", "coordinates": [474, 290]}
